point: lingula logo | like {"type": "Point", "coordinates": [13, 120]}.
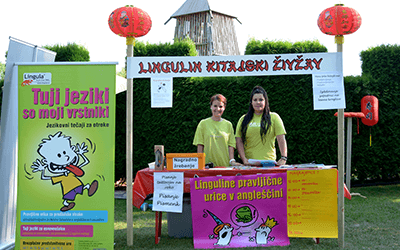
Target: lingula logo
{"type": "Point", "coordinates": [33, 76]}
{"type": "Point", "coordinates": [26, 82]}
{"type": "Point", "coordinates": [36, 79]}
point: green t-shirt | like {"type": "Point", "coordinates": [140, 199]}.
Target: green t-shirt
{"type": "Point", "coordinates": [254, 148]}
{"type": "Point", "coordinates": [216, 136]}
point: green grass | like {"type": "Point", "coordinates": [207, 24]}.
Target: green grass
{"type": "Point", "coordinates": [371, 223]}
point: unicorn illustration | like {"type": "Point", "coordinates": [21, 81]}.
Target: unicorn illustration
{"type": "Point", "coordinates": [222, 231]}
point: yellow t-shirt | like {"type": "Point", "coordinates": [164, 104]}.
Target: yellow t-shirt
{"type": "Point", "coordinates": [254, 148]}
{"type": "Point", "coordinates": [67, 182]}
{"type": "Point", "coordinates": [216, 137]}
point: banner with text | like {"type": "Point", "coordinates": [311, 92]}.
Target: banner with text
{"type": "Point", "coordinates": [246, 65]}
{"type": "Point", "coordinates": [239, 211]}
{"type": "Point", "coordinates": [66, 137]}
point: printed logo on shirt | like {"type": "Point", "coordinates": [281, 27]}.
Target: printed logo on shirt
{"type": "Point", "coordinates": [254, 124]}
{"type": "Point", "coordinates": [217, 134]}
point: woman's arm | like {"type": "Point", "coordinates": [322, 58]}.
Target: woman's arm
{"type": "Point", "coordinates": [282, 148]}
{"type": "Point", "coordinates": [200, 148]}
{"type": "Point", "coordinates": [231, 152]}
{"type": "Point", "coordinates": [240, 149]}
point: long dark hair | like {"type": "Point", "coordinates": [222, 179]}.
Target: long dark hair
{"type": "Point", "coordinates": [265, 118]}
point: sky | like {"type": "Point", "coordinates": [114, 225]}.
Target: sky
{"type": "Point", "coordinates": [85, 22]}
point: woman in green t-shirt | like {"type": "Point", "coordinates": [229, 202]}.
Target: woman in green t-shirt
{"type": "Point", "coordinates": [215, 136]}
{"type": "Point", "coordinates": [257, 130]}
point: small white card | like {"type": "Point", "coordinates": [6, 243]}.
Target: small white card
{"type": "Point", "coordinates": [185, 163]}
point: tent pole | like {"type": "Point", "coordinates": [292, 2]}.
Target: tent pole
{"type": "Point", "coordinates": [129, 150]}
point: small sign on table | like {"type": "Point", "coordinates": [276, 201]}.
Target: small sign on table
{"type": "Point", "coordinates": [185, 161]}
{"type": "Point", "coordinates": [168, 192]}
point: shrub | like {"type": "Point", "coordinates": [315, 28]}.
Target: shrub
{"type": "Point", "coordinates": [72, 52]}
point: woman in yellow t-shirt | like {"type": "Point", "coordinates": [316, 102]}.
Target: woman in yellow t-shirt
{"type": "Point", "coordinates": [257, 130]}
{"type": "Point", "coordinates": [215, 136]}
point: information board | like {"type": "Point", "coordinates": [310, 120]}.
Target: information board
{"type": "Point", "coordinates": [66, 137]}
{"type": "Point", "coordinates": [328, 91]}
{"type": "Point", "coordinates": [312, 203]}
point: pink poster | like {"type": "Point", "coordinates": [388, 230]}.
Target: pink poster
{"type": "Point", "coordinates": [239, 211]}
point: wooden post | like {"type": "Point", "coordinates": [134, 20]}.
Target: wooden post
{"type": "Point", "coordinates": [349, 139]}
{"type": "Point", "coordinates": [129, 148]}
{"type": "Point", "coordinates": [341, 168]}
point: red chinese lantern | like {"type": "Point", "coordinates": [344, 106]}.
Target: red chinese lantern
{"type": "Point", "coordinates": [338, 21]}
{"type": "Point", "coordinates": [129, 22]}
{"type": "Point", "coordinates": [370, 108]}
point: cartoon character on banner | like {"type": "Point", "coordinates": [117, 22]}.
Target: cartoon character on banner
{"type": "Point", "coordinates": [61, 160]}
{"type": "Point", "coordinates": [263, 231]}
{"type": "Point", "coordinates": [223, 231]}
{"type": "Point", "coordinates": [244, 216]}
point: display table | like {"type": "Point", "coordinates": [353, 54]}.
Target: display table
{"type": "Point", "coordinates": [143, 184]}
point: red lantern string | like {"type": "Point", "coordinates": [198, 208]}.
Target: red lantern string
{"type": "Point", "coordinates": [370, 137]}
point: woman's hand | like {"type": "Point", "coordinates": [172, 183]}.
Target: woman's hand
{"type": "Point", "coordinates": [281, 162]}
{"type": "Point", "coordinates": [246, 162]}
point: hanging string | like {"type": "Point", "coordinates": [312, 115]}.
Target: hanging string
{"type": "Point", "coordinates": [370, 137]}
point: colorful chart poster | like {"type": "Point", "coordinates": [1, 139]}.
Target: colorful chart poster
{"type": "Point", "coordinates": [66, 138]}
{"type": "Point", "coordinates": [239, 211]}
{"type": "Point", "coordinates": [312, 203]}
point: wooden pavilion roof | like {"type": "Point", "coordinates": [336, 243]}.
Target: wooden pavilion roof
{"type": "Point", "coordinates": [196, 6]}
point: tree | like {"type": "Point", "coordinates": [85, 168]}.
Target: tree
{"type": "Point", "coordinates": [72, 52]}
{"type": "Point", "coordinates": [2, 73]}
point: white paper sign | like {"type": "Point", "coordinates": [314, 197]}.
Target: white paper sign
{"type": "Point", "coordinates": [161, 92]}
{"type": "Point", "coordinates": [185, 163]}
{"type": "Point", "coordinates": [328, 90]}
{"type": "Point", "coordinates": [168, 192]}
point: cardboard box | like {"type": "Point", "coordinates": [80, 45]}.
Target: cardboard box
{"type": "Point", "coordinates": [186, 161]}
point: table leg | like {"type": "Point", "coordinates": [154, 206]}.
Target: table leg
{"type": "Point", "coordinates": [158, 226]}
